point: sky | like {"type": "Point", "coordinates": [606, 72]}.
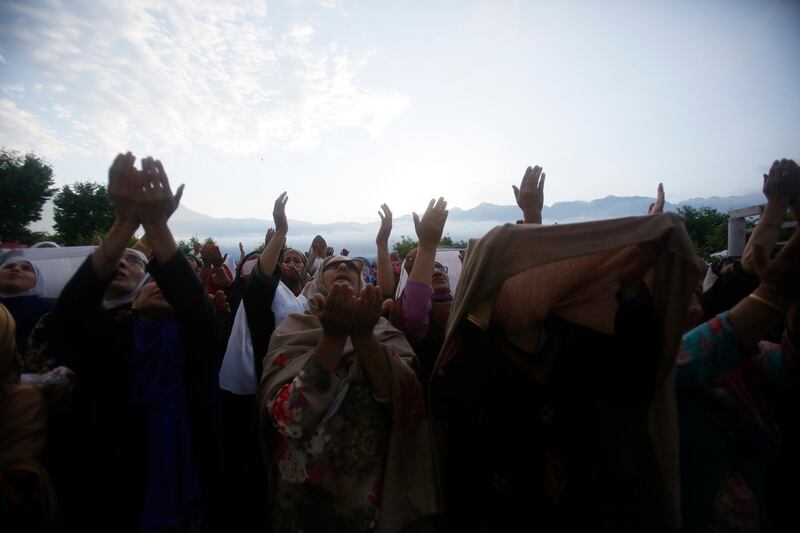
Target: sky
{"type": "Point", "coordinates": [348, 104]}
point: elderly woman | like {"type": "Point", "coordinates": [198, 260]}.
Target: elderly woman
{"type": "Point", "coordinates": [21, 288]}
{"type": "Point", "coordinates": [346, 432]}
{"type": "Point", "coordinates": [140, 448]}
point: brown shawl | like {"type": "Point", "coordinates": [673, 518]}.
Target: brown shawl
{"type": "Point", "coordinates": [409, 488]}
{"type": "Point", "coordinates": [570, 270]}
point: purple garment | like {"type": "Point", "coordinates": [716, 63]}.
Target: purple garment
{"type": "Point", "coordinates": [416, 309]}
{"type": "Point", "coordinates": [173, 487]}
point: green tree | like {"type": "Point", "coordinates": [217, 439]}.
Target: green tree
{"type": "Point", "coordinates": [406, 244]}
{"type": "Point", "coordinates": [82, 211]}
{"type": "Point", "coordinates": [26, 183]}
{"type": "Point", "coordinates": [708, 229]}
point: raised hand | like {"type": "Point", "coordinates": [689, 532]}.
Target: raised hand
{"type": "Point", "coordinates": [318, 245]}
{"type": "Point", "coordinates": [781, 185]}
{"type": "Point", "coordinates": [213, 256]}
{"type": "Point", "coordinates": [220, 277]}
{"type": "Point", "coordinates": [368, 311]}
{"type": "Point", "coordinates": [345, 252]}
{"type": "Point", "coordinates": [155, 202]}
{"type": "Point", "coordinates": [279, 214]}
{"type": "Point", "coordinates": [657, 207]}
{"type": "Point", "coordinates": [530, 195]}
{"type": "Point", "coordinates": [123, 189]}
{"type": "Point", "coordinates": [429, 229]}
{"type": "Point", "coordinates": [338, 311]}
{"type": "Point", "coordinates": [241, 249]}
{"type": "Point", "coordinates": [386, 226]}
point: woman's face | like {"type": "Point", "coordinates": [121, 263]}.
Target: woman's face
{"type": "Point", "coordinates": [344, 272]}
{"type": "Point", "coordinates": [129, 273]}
{"type": "Point", "coordinates": [16, 278]}
{"type": "Point", "coordinates": [440, 281]}
{"type": "Point", "coordinates": [294, 261]}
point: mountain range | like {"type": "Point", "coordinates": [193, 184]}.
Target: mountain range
{"type": "Point", "coordinates": [461, 223]}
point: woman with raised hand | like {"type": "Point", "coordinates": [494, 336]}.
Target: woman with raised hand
{"type": "Point", "coordinates": [553, 389]}
{"type": "Point", "coordinates": [346, 435]}
{"type": "Point", "coordinates": [140, 446]}
{"type": "Point", "coordinates": [385, 273]}
{"type": "Point", "coordinates": [423, 308]}
{"type": "Point", "coordinates": [738, 396]}
{"type": "Point", "coordinates": [266, 301]}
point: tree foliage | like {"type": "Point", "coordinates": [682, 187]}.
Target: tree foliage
{"type": "Point", "coordinates": [26, 183]}
{"type": "Point", "coordinates": [406, 244]}
{"type": "Point", "coordinates": [82, 211]}
{"type": "Point", "coordinates": [708, 229]}
{"type": "Point", "coordinates": [188, 246]}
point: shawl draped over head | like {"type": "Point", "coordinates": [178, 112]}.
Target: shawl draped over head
{"type": "Point", "coordinates": [26, 307]}
{"type": "Point", "coordinates": [570, 271]}
{"type": "Point", "coordinates": [409, 488]}
{"type": "Point", "coordinates": [131, 296]}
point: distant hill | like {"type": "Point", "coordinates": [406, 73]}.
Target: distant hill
{"type": "Point", "coordinates": [461, 224]}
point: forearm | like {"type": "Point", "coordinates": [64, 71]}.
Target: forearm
{"type": "Point", "coordinates": [328, 352]}
{"type": "Point", "coordinates": [765, 235]}
{"type": "Point", "coordinates": [385, 273]}
{"type": "Point", "coordinates": [756, 316]}
{"type": "Point", "coordinates": [272, 251]}
{"type": "Point", "coordinates": [422, 272]}
{"type": "Point", "coordinates": [106, 257]}
{"type": "Point", "coordinates": [161, 241]}
{"type": "Point", "coordinates": [376, 365]}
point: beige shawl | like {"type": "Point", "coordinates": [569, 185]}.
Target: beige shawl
{"type": "Point", "coordinates": [570, 270]}
{"type": "Point", "coordinates": [409, 489]}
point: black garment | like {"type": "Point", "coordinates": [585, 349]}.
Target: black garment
{"type": "Point", "coordinates": [98, 454]}
{"type": "Point", "coordinates": [245, 473]}
{"type": "Point", "coordinates": [526, 451]}
{"type": "Point", "coordinates": [728, 290]}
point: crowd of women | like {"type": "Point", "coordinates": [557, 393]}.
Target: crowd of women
{"type": "Point", "coordinates": [582, 377]}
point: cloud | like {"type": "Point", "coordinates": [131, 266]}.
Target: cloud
{"type": "Point", "coordinates": [181, 75]}
{"type": "Point", "coordinates": [25, 131]}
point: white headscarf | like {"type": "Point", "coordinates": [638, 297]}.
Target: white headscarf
{"type": "Point", "coordinates": [38, 287]}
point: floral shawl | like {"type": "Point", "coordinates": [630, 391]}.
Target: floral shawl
{"type": "Point", "coordinates": [409, 490]}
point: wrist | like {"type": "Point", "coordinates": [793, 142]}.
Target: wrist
{"type": "Point", "coordinates": [774, 213]}
{"type": "Point", "coordinates": [425, 246]}
{"type": "Point", "coordinates": [334, 336]}
{"type": "Point", "coordinates": [359, 337]}
{"type": "Point", "coordinates": [772, 297]}
{"type": "Point", "coordinates": [532, 217]}
{"type": "Point", "coordinates": [124, 226]}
